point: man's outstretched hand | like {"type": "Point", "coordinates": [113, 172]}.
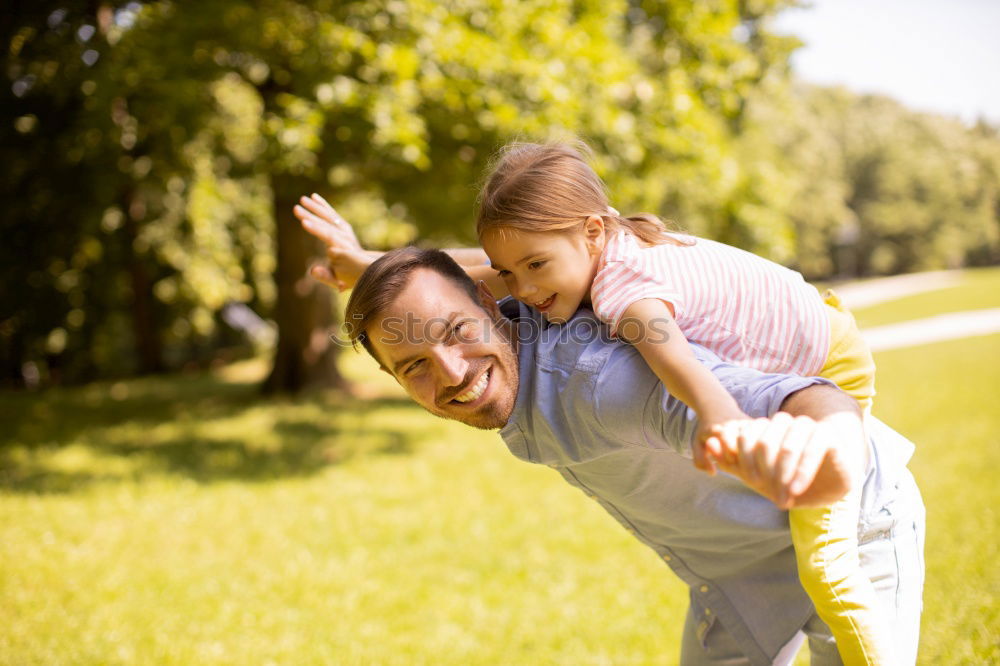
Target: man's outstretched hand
{"type": "Point", "coordinates": [346, 258]}
{"type": "Point", "coordinates": [793, 461]}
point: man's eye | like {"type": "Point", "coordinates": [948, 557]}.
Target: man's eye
{"type": "Point", "coordinates": [535, 265]}
{"type": "Point", "coordinates": [503, 274]}
{"type": "Point", "coordinates": [410, 369]}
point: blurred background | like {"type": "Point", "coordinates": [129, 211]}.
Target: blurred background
{"type": "Point", "coordinates": [169, 493]}
{"type": "Point", "coordinates": [152, 151]}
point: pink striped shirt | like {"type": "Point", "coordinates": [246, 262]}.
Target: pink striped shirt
{"type": "Point", "coordinates": [746, 309]}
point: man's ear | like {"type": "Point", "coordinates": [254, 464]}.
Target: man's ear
{"type": "Point", "coordinates": [487, 300]}
{"type": "Point", "coordinates": [594, 231]}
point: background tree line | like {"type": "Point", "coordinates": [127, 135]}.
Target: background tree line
{"type": "Point", "coordinates": [152, 153]}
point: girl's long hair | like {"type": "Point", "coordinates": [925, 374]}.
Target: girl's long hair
{"type": "Point", "coordinates": [550, 187]}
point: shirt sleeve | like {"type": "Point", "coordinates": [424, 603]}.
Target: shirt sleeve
{"type": "Point", "coordinates": [758, 394]}
{"type": "Point", "coordinates": [619, 284]}
{"type": "Point", "coordinates": [635, 407]}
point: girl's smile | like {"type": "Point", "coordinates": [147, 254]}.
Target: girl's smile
{"type": "Point", "coordinates": [546, 304]}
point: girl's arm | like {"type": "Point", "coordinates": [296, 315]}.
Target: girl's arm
{"type": "Point", "coordinates": [487, 274]}
{"type": "Point", "coordinates": [477, 265]}
{"type": "Point", "coordinates": [347, 260]}
{"type": "Point", "coordinates": [649, 325]}
{"type": "Point", "coordinates": [343, 268]}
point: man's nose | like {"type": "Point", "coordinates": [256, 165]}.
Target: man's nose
{"type": "Point", "coordinates": [451, 365]}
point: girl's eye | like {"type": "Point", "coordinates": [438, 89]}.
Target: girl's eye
{"type": "Point", "coordinates": [503, 274]}
{"type": "Point", "coordinates": [535, 265]}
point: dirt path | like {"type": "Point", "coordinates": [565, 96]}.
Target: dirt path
{"type": "Point", "coordinates": [857, 295]}
{"type": "Point", "coordinates": [933, 329]}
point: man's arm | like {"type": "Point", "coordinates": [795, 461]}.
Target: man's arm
{"type": "Point", "coordinates": [809, 454]}
{"type": "Point", "coordinates": [844, 465]}
{"type": "Point", "coordinates": [782, 455]}
{"type": "Point", "coordinates": [804, 448]}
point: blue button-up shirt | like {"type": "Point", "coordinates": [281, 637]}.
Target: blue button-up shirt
{"type": "Point", "coordinates": [591, 408]}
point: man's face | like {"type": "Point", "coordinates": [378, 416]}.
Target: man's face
{"type": "Point", "coordinates": [447, 352]}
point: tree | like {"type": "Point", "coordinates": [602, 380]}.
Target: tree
{"type": "Point", "coordinates": [389, 100]}
{"type": "Point", "coordinates": [56, 176]}
{"type": "Point", "coordinates": [205, 122]}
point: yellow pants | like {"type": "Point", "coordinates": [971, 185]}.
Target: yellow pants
{"type": "Point", "coordinates": [826, 539]}
{"type": "Point", "coordinates": [849, 363]}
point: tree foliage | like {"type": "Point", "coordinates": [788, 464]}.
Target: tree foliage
{"type": "Point", "coordinates": [152, 153]}
{"type": "Point", "coordinates": [868, 187]}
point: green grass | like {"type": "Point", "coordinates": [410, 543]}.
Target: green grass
{"type": "Point", "coordinates": [944, 398]}
{"type": "Point", "coordinates": [979, 288]}
{"type": "Point", "coordinates": [183, 520]}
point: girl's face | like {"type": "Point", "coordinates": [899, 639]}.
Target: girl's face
{"type": "Point", "coordinates": [550, 271]}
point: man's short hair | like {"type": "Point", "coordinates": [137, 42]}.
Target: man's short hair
{"type": "Point", "coordinates": [385, 279]}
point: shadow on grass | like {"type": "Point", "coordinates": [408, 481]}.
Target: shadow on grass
{"type": "Point", "coordinates": [200, 428]}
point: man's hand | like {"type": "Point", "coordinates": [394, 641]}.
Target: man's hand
{"type": "Point", "coordinates": [347, 260]}
{"type": "Point", "coordinates": [793, 461]}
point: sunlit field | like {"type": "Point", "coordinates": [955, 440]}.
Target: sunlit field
{"type": "Point", "coordinates": [183, 520]}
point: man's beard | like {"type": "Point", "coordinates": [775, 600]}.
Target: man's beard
{"type": "Point", "coordinates": [495, 414]}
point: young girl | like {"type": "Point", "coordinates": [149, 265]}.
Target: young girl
{"type": "Point", "coordinates": [546, 224]}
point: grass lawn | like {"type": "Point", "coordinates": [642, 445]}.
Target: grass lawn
{"type": "Point", "coordinates": [944, 397]}
{"type": "Point", "coordinates": [182, 520]}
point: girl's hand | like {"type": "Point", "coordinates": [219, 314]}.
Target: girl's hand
{"type": "Point", "coordinates": [320, 219]}
{"type": "Point", "coordinates": [347, 260]}
{"type": "Point", "coordinates": [343, 268]}
{"type": "Point", "coordinates": [711, 443]}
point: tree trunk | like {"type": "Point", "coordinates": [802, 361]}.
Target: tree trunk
{"type": "Point", "coordinates": [148, 344]}
{"type": "Point", "coordinates": [306, 356]}
{"type": "Point", "coordinates": [12, 353]}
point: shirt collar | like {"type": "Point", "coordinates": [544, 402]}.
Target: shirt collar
{"type": "Point", "coordinates": [617, 247]}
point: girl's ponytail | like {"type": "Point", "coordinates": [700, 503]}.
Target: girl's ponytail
{"type": "Point", "coordinates": [648, 228]}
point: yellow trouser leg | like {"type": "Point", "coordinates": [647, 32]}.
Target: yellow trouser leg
{"type": "Point", "coordinates": [826, 548]}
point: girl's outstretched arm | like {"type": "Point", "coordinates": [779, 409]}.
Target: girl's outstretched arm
{"type": "Point", "coordinates": [347, 259]}
{"type": "Point", "coordinates": [649, 325]}
{"type": "Point", "coordinates": [476, 265]}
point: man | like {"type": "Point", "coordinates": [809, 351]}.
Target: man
{"type": "Point", "coordinates": [589, 407]}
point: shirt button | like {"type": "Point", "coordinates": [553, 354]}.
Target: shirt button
{"type": "Point", "coordinates": [708, 612]}
{"type": "Point", "coordinates": [703, 588]}
{"type": "Point", "coordinates": [666, 558]}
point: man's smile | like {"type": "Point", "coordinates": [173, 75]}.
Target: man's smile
{"type": "Point", "coordinates": [475, 392]}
